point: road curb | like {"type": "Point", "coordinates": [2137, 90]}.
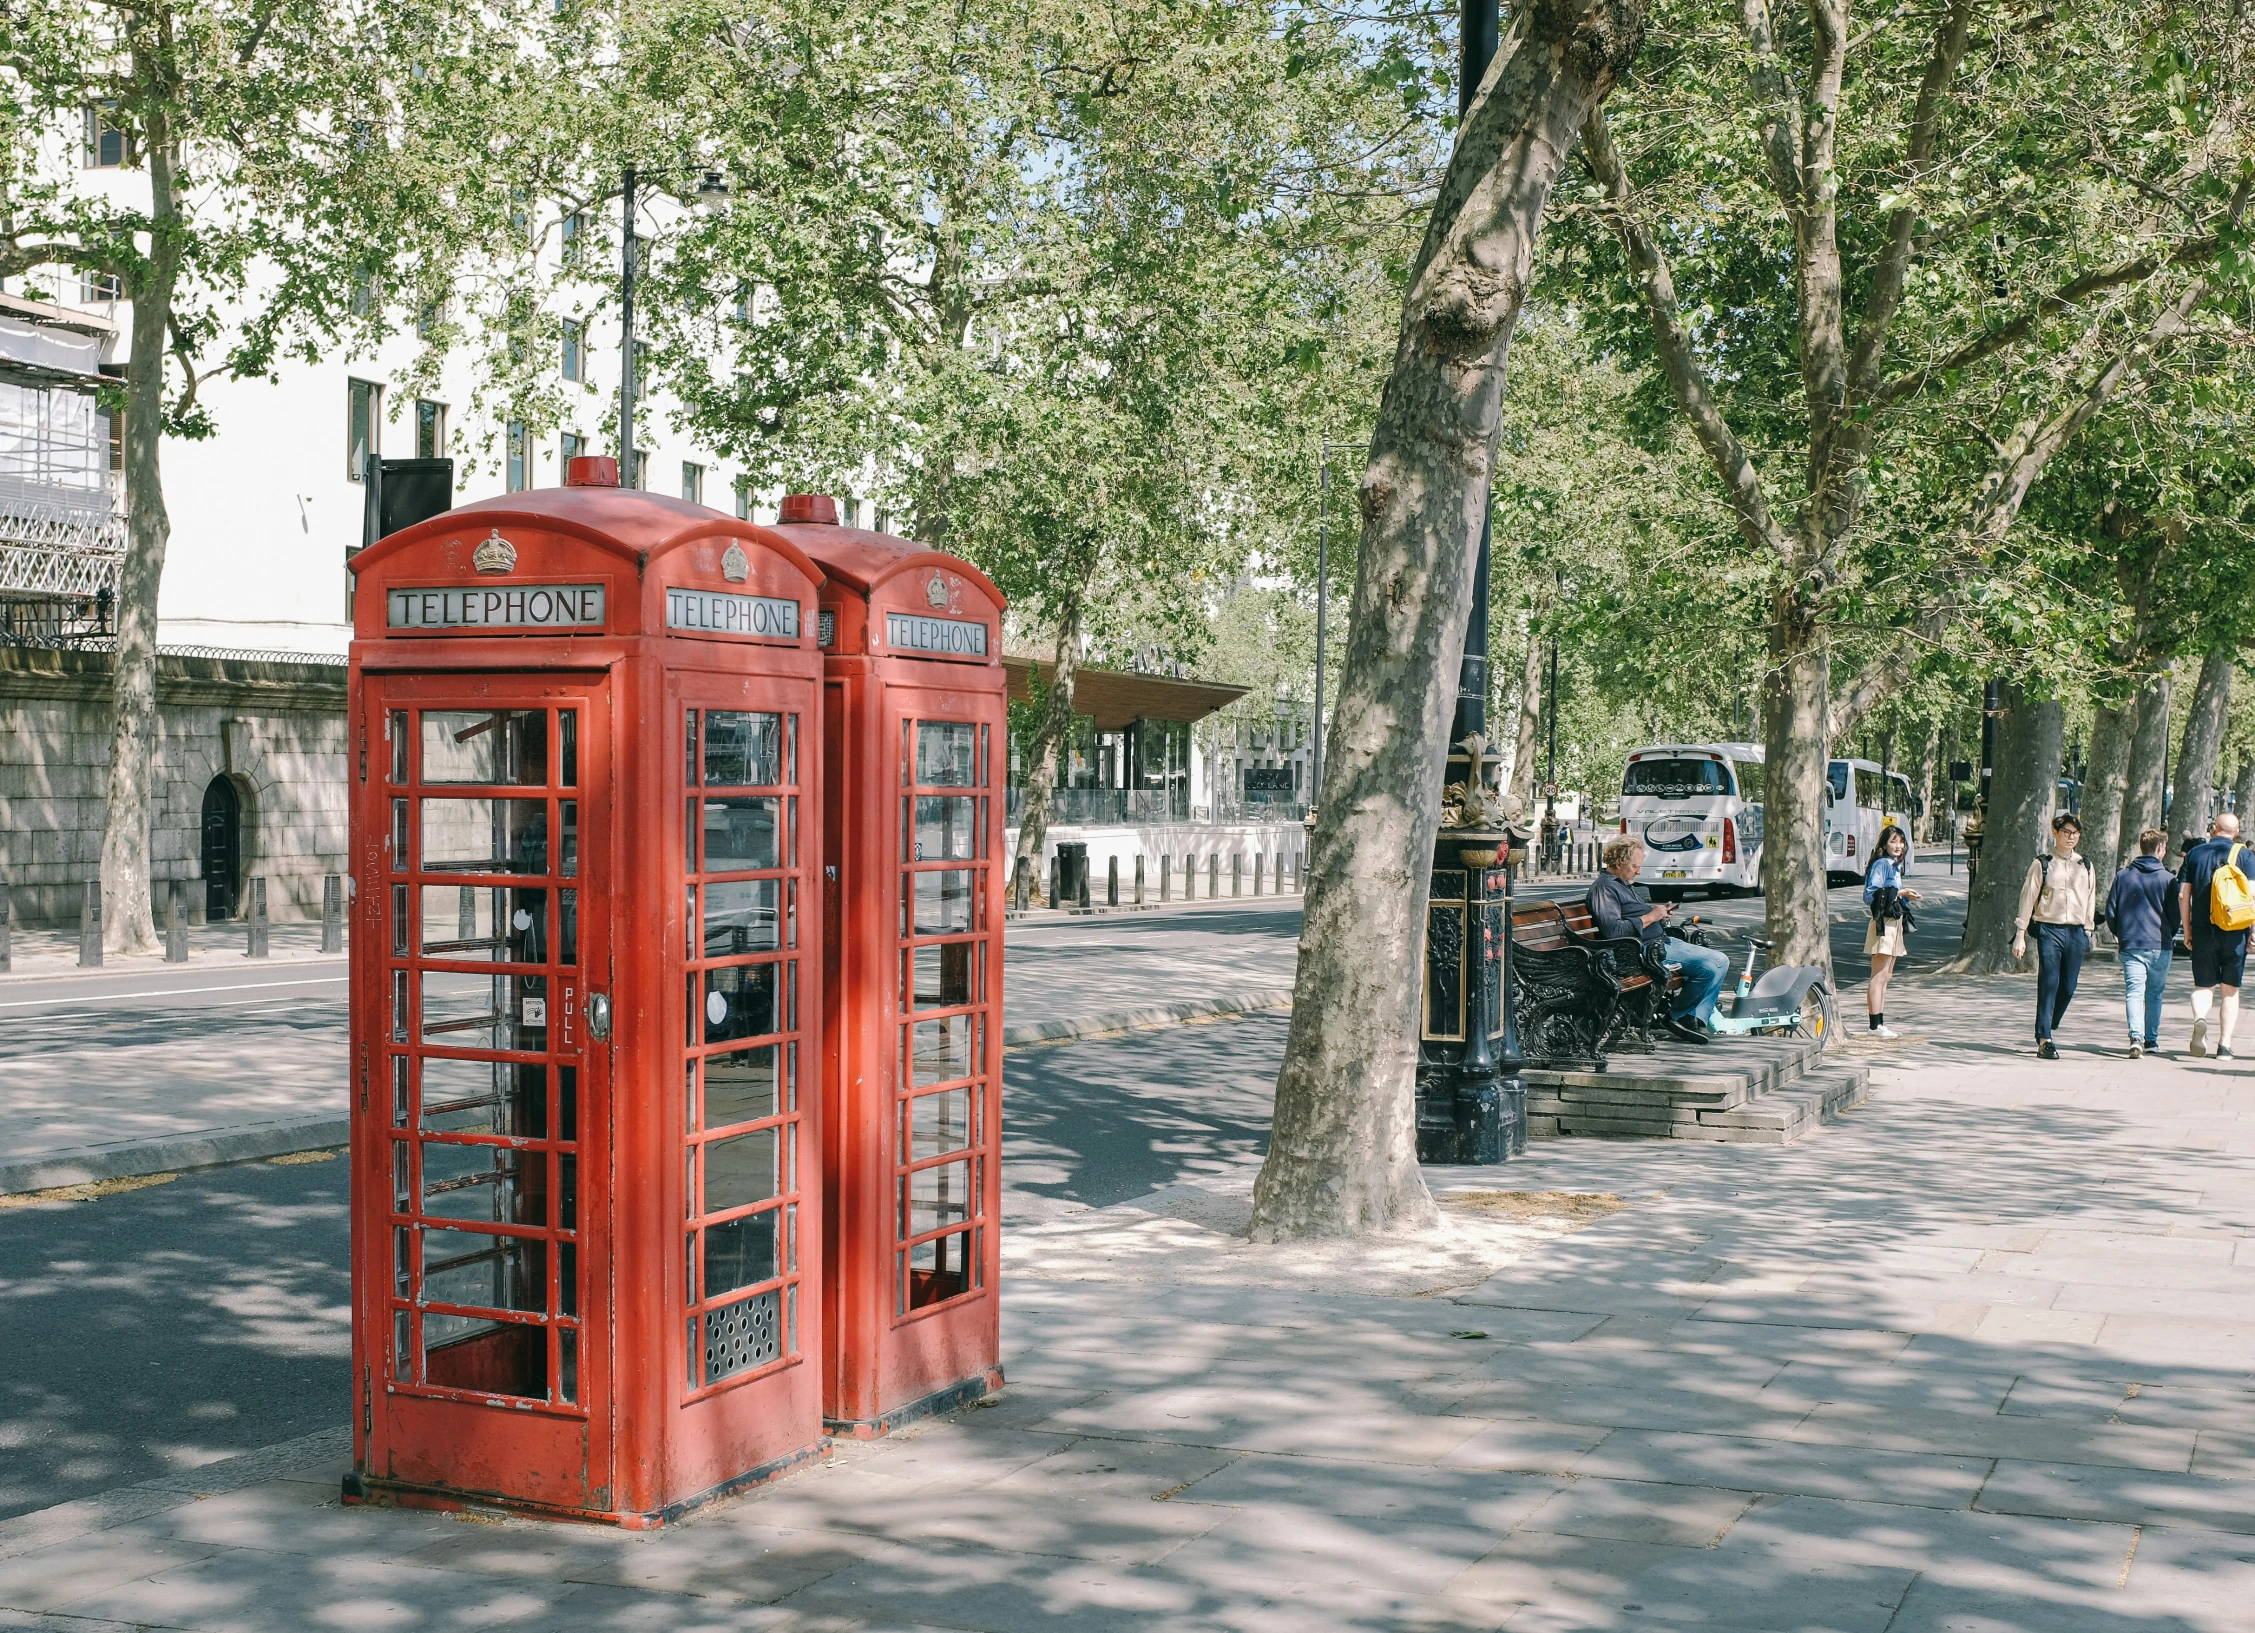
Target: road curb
{"type": "Point", "coordinates": [1241, 1002]}
{"type": "Point", "coordinates": [217, 1147]}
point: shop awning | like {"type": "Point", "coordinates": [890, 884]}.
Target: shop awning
{"type": "Point", "coordinates": [1117, 697]}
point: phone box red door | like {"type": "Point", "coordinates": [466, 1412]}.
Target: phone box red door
{"type": "Point", "coordinates": [914, 730]}
{"type": "Point", "coordinates": [585, 1020]}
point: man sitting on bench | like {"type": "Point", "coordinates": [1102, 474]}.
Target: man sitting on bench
{"type": "Point", "coordinates": [1620, 911]}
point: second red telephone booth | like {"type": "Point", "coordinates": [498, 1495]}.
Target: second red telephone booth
{"type": "Point", "coordinates": [913, 733]}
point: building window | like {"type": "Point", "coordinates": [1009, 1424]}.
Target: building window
{"type": "Point", "coordinates": [743, 498]}
{"type": "Point", "coordinates": [362, 301]}
{"type": "Point", "coordinates": [427, 320]}
{"type": "Point", "coordinates": [575, 349]}
{"type": "Point", "coordinates": [883, 519]}
{"type": "Point", "coordinates": [638, 469]}
{"type": "Point", "coordinates": [364, 426]}
{"type": "Point", "coordinates": [692, 482]}
{"type": "Point", "coordinates": [575, 447]}
{"type": "Point", "coordinates": [94, 287]}
{"type": "Point", "coordinates": [105, 143]}
{"type": "Point", "coordinates": [518, 458]}
{"type": "Point", "coordinates": [575, 227]}
{"type": "Point", "coordinates": [430, 430]}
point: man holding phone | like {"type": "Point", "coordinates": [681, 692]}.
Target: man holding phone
{"type": "Point", "coordinates": [1620, 911]}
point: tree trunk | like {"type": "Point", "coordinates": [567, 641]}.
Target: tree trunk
{"type": "Point", "coordinates": [1530, 723]}
{"type": "Point", "coordinates": [2029, 736]}
{"type": "Point", "coordinates": [2105, 779]}
{"type": "Point", "coordinates": [128, 923]}
{"type": "Point", "coordinates": [2149, 747]}
{"type": "Point", "coordinates": [1930, 750]}
{"type": "Point", "coordinates": [2194, 799]}
{"type": "Point", "coordinates": [1342, 1154]}
{"type": "Point", "coordinates": [2243, 795]}
{"type": "Point", "coordinates": [1795, 710]}
{"type": "Point", "coordinates": [1049, 740]}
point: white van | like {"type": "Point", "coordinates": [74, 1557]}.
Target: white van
{"type": "Point", "coordinates": [1859, 802]}
{"type": "Point", "coordinates": [1697, 807]}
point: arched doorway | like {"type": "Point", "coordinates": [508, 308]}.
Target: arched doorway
{"type": "Point", "coordinates": [223, 850]}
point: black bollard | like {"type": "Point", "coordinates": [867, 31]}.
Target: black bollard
{"type": "Point", "coordinates": [1166, 874]}
{"type": "Point", "coordinates": [332, 914]}
{"type": "Point", "coordinates": [175, 925]}
{"type": "Point", "coordinates": [1259, 863]}
{"type": "Point", "coordinates": [1112, 881]}
{"type": "Point", "coordinates": [1084, 880]}
{"type": "Point", "coordinates": [1139, 878]}
{"type": "Point", "coordinates": [90, 926]}
{"type": "Point", "coordinates": [1236, 874]}
{"type": "Point", "coordinates": [1213, 876]}
{"type": "Point", "coordinates": [7, 914]}
{"type": "Point", "coordinates": [255, 925]}
{"type": "Point", "coordinates": [1053, 879]}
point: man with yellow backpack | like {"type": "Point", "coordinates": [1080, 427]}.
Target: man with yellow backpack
{"type": "Point", "coordinates": [2217, 902]}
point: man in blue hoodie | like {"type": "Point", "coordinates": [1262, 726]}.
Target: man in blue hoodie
{"type": "Point", "coordinates": [2142, 908]}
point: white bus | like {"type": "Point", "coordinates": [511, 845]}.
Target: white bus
{"type": "Point", "coordinates": [1857, 805]}
{"type": "Point", "coordinates": [1697, 807]}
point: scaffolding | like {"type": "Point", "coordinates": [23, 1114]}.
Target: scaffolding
{"type": "Point", "coordinates": [62, 522]}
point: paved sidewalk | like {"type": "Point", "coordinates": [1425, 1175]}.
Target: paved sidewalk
{"type": "Point", "coordinates": [1980, 1357]}
{"type": "Point", "coordinates": [38, 955]}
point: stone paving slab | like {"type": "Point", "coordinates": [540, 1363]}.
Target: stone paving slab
{"type": "Point", "coordinates": [1838, 1385]}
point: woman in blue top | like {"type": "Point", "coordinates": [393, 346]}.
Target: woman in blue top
{"type": "Point", "coordinates": [1883, 938]}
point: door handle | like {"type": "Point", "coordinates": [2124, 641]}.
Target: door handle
{"type": "Point", "coordinates": [599, 1016]}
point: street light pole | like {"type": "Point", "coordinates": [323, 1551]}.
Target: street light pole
{"type": "Point", "coordinates": [627, 472]}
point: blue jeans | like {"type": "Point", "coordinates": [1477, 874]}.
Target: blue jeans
{"type": "Point", "coordinates": [1704, 970]}
{"type": "Point", "coordinates": [2145, 971]}
{"type": "Point", "coordinates": [2059, 962]}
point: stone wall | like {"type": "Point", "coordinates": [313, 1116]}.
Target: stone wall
{"type": "Point", "coordinates": [275, 730]}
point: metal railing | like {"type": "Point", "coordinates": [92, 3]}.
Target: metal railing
{"type": "Point", "coordinates": [1103, 807]}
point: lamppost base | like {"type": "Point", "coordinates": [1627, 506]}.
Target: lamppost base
{"type": "Point", "coordinates": [1469, 1119]}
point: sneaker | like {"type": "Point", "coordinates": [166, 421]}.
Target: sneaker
{"type": "Point", "coordinates": [2045, 1050]}
{"type": "Point", "coordinates": [2200, 1038]}
{"type": "Point", "coordinates": [2223, 1053]}
{"type": "Point", "coordinates": [2153, 1046]}
{"type": "Point", "coordinates": [2137, 1049]}
{"type": "Point", "coordinates": [1886, 1032]}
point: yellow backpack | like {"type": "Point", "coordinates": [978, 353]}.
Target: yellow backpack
{"type": "Point", "coordinates": [2231, 899]}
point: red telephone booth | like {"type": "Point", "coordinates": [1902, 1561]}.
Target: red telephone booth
{"type": "Point", "coordinates": [913, 734]}
{"type": "Point", "coordinates": [586, 1206]}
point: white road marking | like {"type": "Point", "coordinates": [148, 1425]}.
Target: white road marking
{"type": "Point", "coordinates": [174, 992]}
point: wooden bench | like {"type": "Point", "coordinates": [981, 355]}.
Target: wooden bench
{"type": "Point", "coordinates": [1580, 994]}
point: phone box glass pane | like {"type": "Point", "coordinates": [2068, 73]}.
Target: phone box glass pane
{"type": "Point", "coordinates": [945, 756]}
{"type": "Point", "coordinates": [942, 1049]}
{"type": "Point", "coordinates": [739, 1087]}
{"type": "Point", "coordinates": [484, 1097]}
{"type": "Point", "coordinates": [940, 977]}
{"type": "Point", "coordinates": [738, 1001]}
{"type": "Point", "coordinates": [739, 1171]}
{"type": "Point", "coordinates": [939, 1123]}
{"type": "Point", "coordinates": [942, 902]}
{"type": "Point", "coordinates": [944, 828]}
{"type": "Point", "coordinates": [743, 750]}
{"type": "Point", "coordinates": [740, 834]}
{"type": "Point", "coordinates": [485, 1011]}
{"type": "Point", "coordinates": [487, 1272]}
{"type": "Point", "coordinates": [485, 836]}
{"type": "Point", "coordinates": [504, 924]}
{"type": "Point", "coordinates": [740, 917]}
{"type": "Point", "coordinates": [938, 1196]}
{"type": "Point", "coordinates": [740, 1253]}
{"type": "Point", "coordinates": [509, 746]}
{"type": "Point", "coordinates": [488, 1184]}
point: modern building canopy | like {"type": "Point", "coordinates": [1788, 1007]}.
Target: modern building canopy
{"type": "Point", "coordinates": [1117, 698]}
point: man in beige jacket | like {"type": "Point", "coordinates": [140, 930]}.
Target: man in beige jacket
{"type": "Point", "coordinates": [2060, 897]}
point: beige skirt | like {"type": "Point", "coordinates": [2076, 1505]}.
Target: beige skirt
{"type": "Point", "coordinates": [1889, 940]}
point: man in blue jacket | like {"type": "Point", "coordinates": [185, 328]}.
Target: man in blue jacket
{"type": "Point", "coordinates": [1620, 911]}
{"type": "Point", "coordinates": [2142, 908]}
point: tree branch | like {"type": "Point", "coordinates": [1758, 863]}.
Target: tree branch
{"type": "Point", "coordinates": [1742, 484]}
{"type": "Point", "coordinates": [2004, 336]}
{"type": "Point", "coordinates": [1777, 97]}
{"type": "Point", "coordinates": [1893, 266]}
